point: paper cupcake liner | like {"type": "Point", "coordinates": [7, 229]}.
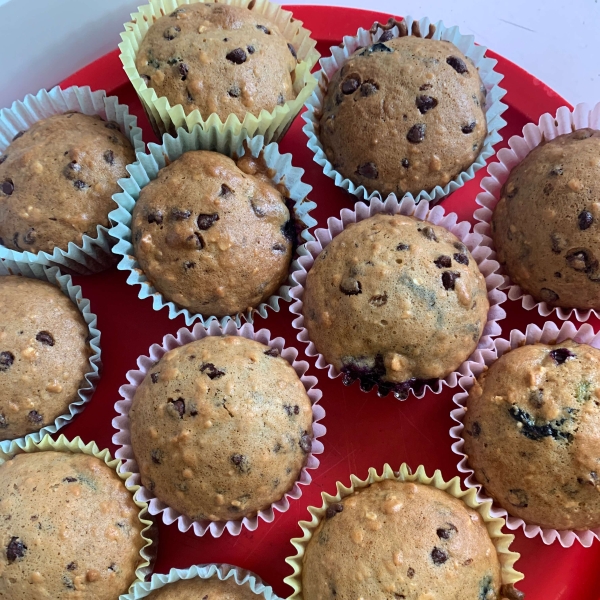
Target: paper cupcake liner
{"type": "Point", "coordinates": [477, 244]}
{"type": "Point", "coordinates": [85, 393]}
{"type": "Point", "coordinates": [231, 144]}
{"type": "Point", "coordinates": [76, 445]}
{"type": "Point", "coordinates": [223, 572]}
{"type": "Point", "coordinates": [123, 437]}
{"type": "Point", "coordinates": [167, 119]}
{"type": "Point", "coordinates": [547, 129]}
{"type": "Point", "coordinates": [93, 255]}
{"type": "Point", "coordinates": [340, 56]}
{"type": "Point", "coordinates": [493, 524]}
{"type": "Point", "coordinates": [550, 334]}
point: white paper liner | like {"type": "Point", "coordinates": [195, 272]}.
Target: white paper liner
{"type": "Point", "coordinates": [123, 438]}
{"type": "Point", "coordinates": [91, 377]}
{"type": "Point", "coordinates": [231, 144]}
{"type": "Point", "coordinates": [350, 44]}
{"type": "Point", "coordinates": [221, 571]}
{"type": "Point", "coordinates": [477, 244]}
{"type": "Point", "coordinates": [549, 334]}
{"type": "Point", "coordinates": [547, 129]}
{"type": "Point", "coordinates": [93, 255]}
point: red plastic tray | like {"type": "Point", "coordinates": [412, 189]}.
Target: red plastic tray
{"type": "Point", "coordinates": [363, 430]}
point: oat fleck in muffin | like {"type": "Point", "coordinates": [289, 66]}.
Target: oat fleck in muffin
{"type": "Point", "coordinates": [546, 227]}
{"type": "Point", "coordinates": [69, 529]}
{"type": "Point", "coordinates": [44, 355]}
{"type": "Point", "coordinates": [404, 115]}
{"type": "Point", "coordinates": [395, 301]}
{"type": "Point", "coordinates": [218, 59]}
{"type": "Point", "coordinates": [57, 180]}
{"type": "Point", "coordinates": [532, 434]}
{"type": "Point", "coordinates": [221, 428]}
{"type": "Point", "coordinates": [211, 589]}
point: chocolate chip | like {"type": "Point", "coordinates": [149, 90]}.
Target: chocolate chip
{"type": "Point", "coordinates": [44, 337]}
{"type": "Point", "coordinates": [3, 421]}
{"type": "Point", "coordinates": [561, 355]}
{"type": "Point", "coordinates": [425, 103]}
{"type": "Point", "coordinates": [429, 233]}
{"type": "Point", "coordinates": [210, 370]}
{"type": "Point", "coordinates": [178, 405]}
{"type": "Point", "coordinates": [458, 64]}
{"type": "Point", "coordinates": [154, 377]}
{"type": "Point", "coordinates": [180, 215]}
{"type": "Point", "coordinates": [518, 498]}
{"type": "Point", "coordinates": [585, 219]}
{"type": "Point", "coordinates": [334, 509]}
{"type": "Point", "coordinates": [379, 300]}
{"type": "Point", "coordinates": [109, 157]}
{"type": "Point", "coordinates": [368, 170]}
{"type": "Point", "coordinates": [30, 236]}
{"type": "Point", "coordinates": [386, 36]}
{"type": "Point", "coordinates": [69, 480]}
{"type": "Point", "coordinates": [416, 134]}
{"type": "Point", "coordinates": [251, 49]}
{"type": "Point", "coordinates": [475, 429]}
{"type": "Point", "coordinates": [183, 71]}
{"type": "Point", "coordinates": [237, 56]}
{"type": "Point", "coordinates": [80, 185]}
{"type": "Point", "coordinates": [449, 279]}
{"type": "Point", "coordinates": [368, 88]}
{"type": "Point", "coordinates": [462, 259]}
{"type": "Point", "coordinates": [402, 247]}
{"type": "Point", "coordinates": [444, 533]}
{"type": "Point", "coordinates": [273, 352]}
{"type": "Point", "coordinates": [350, 286]}
{"type": "Point", "coordinates": [263, 29]}
{"type": "Point", "coordinates": [172, 32]}
{"type": "Point", "coordinates": [469, 128]}
{"type": "Point", "coordinates": [292, 50]}
{"type": "Point", "coordinates": [157, 456]}
{"type": "Point", "coordinates": [557, 170]}
{"type": "Point", "coordinates": [460, 247]}
{"type": "Point", "coordinates": [156, 217]}
{"type": "Point", "coordinates": [72, 566]}
{"type": "Point", "coordinates": [438, 556]}
{"type": "Point", "coordinates": [15, 549]}
{"type": "Point", "coordinates": [306, 443]}
{"type": "Point", "coordinates": [225, 190]}
{"type": "Point", "coordinates": [7, 187]}
{"type": "Point", "coordinates": [235, 91]}
{"type": "Point", "coordinates": [241, 463]}
{"type": "Point", "coordinates": [20, 134]}
{"type": "Point", "coordinates": [405, 163]}
{"type": "Point", "coordinates": [6, 360]}
{"type": "Point", "coordinates": [548, 295]}
{"type": "Point", "coordinates": [443, 262]}
{"type": "Point", "coordinates": [206, 221]}
{"type": "Point", "coordinates": [410, 573]}
{"type": "Point", "coordinates": [351, 84]}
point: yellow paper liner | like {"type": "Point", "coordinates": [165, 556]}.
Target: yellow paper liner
{"type": "Point", "coordinates": [76, 445]}
{"type": "Point", "coordinates": [166, 118]}
{"type": "Point", "coordinates": [494, 525]}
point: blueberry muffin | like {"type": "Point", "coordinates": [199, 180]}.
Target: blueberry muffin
{"type": "Point", "coordinates": [396, 302]}
{"type": "Point", "coordinates": [212, 236]}
{"type": "Point", "coordinates": [218, 58]}
{"type": "Point", "coordinates": [404, 115]}
{"type": "Point", "coordinates": [221, 428]}
{"type": "Point", "coordinates": [57, 180]}
{"type": "Point", "coordinates": [211, 589]}
{"type": "Point", "coordinates": [402, 540]}
{"type": "Point", "coordinates": [44, 355]}
{"type": "Point", "coordinates": [69, 529]}
{"type": "Point", "coordinates": [532, 434]}
{"type": "Point", "coordinates": [546, 226]}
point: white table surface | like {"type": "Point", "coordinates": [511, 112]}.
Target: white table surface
{"type": "Point", "coordinates": [44, 41]}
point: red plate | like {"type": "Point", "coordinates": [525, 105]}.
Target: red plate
{"type": "Point", "coordinates": [363, 430]}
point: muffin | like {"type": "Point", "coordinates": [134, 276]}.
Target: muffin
{"type": "Point", "coordinates": [402, 540]}
{"type": "Point", "coordinates": [44, 355]}
{"type": "Point", "coordinates": [69, 527]}
{"type": "Point", "coordinates": [218, 58]}
{"type": "Point", "coordinates": [212, 589]}
{"type": "Point", "coordinates": [64, 170]}
{"type": "Point", "coordinates": [546, 226]}
{"type": "Point", "coordinates": [532, 434]}
{"type": "Point", "coordinates": [395, 301]}
{"type": "Point", "coordinates": [405, 114]}
{"type": "Point", "coordinates": [221, 428]}
{"type": "Point", "coordinates": [211, 236]}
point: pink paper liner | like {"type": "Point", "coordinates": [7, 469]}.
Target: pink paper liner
{"type": "Point", "coordinates": [547, 129]}
{"type": "Point", "coordinates": [549, 334]}
{"type": "Point", "coordinates": [123, 438]}
{"type": "Point", "coordinates": [479, 245]}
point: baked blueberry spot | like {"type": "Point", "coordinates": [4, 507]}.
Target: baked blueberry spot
{"type": "Point", "coordinates": [378, 300]}
{"type": "Point", "coordinates": [350, 85]}
{"type": "Point", "coordinates": [449, 279]}
{"type": "Point", "coordinates": [425, 103]}
{"type": "Point", "coordinates": [305, 443]}
{"type": "Point", "coordinates": [368, 88]}
{"type": "Point", "coordinates": [531, 430]}
{"type": "Point", "coordinates": [152, 62]}
{"type": "Point", "coordinates": [178, 405]}
{"type": "Point", "coordinates": [443, 262]}
{"type": "Point", "coordinates": [157, 456]}
{"type": "Point", "coordinates": [251, 49]}
{"type": "Point", "coordinates": [15, 549]}
{"type": "Point", "coordinates": [334, 509]}
{"type": "Point", "coordinates": [30, 236]}
{"type": "Point", "coordinates": [292, 50]}
{"type": "Point", "coordinates": [183, 71]}
{"type": "Point", "coordinates": [350, 286]}
{"type": "Point", "coordinates": [280, 100]}
{"type": "Point", "coordinates": [72, 566]}
{"type": "Point", "coordinates": [291, 410]}
{"type": "Point", "coordinates": [234, 91]}
{"type": "Point", "coordinates": [458, 64]}
{"type": "Point", "coordinates": [212, 371]}
{"type": "Point", "coordinates": [154, 377]}
{"type": "Point", "coordinates": [80, 185]}
{"type": "Point", "coordinates": [486, 589]}
{"type": "Point", "coordinates": [264, 29]}
{"type": "Point", "coordinates": [445, 533]}
{"type": "Point", "coordinates": [7, 187]}
{"type": "Point", "coordinates": [405, 163]}
{"type": "Point", "coordinates": [585, 220]}
{"type": "Point", "coordinates": [469, 127]}
{"type": "Point", "coordinates": [518, 498]}
{"type": "Point", "coordinates": [368, 170]}
{"type": "Point", "coordinates": [172, 32]}
{"type": "Point", "coordinates": [561, 355]}
{"type": "Point", "coordinates": [241, 463]}
{"type": "Point", "coordinates": [272, 352]}
{"type": "Point", "coordinates": [400, 247]}
{"type": "Point", "coordinates": [438, 556]}
{"type": "Point", "coordinates": [156, 217]}
{"type": "Point", "coordinates": [548, 295]}
{"type": "Point", "coordinates": [35, 417]}
{"type": "Point", "coordinates": [19, 134]}
{"type": "Point", "coordinates": [206, 221]}
{"type": "Point", "coordinates": [237, 56]}
{"type": "Point", "coordinates": [109, 157]}
{"type": "Point", "coordinates": [6, 360]}
{"type": "Point", "coordinates": [475, 429]}
{"type": "Point", "coordinates": [410, 573]}
{"type": "Point", "coordinates": [462, 259]}
{"type": "Point", "coordinates": [179, 214]}
{"type": "Point", "coordinates": [416, 134]}
{"type": "Point", "coordinates": [45, 337]}
{"type": "Point", "coordinates": [377, 47]}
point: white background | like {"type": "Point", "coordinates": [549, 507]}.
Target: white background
{"type": "Point", "coordinates": [44, 41]}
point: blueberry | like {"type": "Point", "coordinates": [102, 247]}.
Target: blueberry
{"type": "Point", "coordinates": [449, 279]}
{"type": "Point", "coordinates": [183, 71]}
{"type": "Point", "coordinates": [462, 259]}
{"type": "Point", "coordinates": [154, 377]}
{"type": "Point", "coordinates": [45, 338]}
{"type": "Point", "coordinates": [15, 549]}
{"type": "Point", "coordinates": [425, 103]}
{"type": "Point", "coordinates": [241, 463]}
{"type": "Point", "coordinates": [405, 163]}
{"type": "Point", "coordinates": [469, 128]}
{"type": "Point", "coordinates": [350, 85]}
{"type": "Point", "coordinates": [7, 187]}
{"type": "Point", "coordinates": [585, 220]}
{"type": "Point", "coordinates": [458, 64]}
{"type": "Point", "coordinates": [178, 405]}
{"type": "Point", "coordinates": [438, 556]}
{"type": "Point", "coordinates": [35, 417]}
{"type": "Point", "coordinates": [386, 36]}
{"type": "Point", "coordinates": [334, 509]}
{"type": "Point", "coordinates": [206, 221]}
{"type": "Point", "coordinates": [443, 262]}
{"type": "Point", "coordinates": [180, 215]}
{"type": "Point", "coordinates": [237, 56]}
{"type": "Point", "coordinates": [368, 170]}
{"type": "Point", "coordinates": [561, 355]}
{"type": "Point", "coordinates": [263, 29]}
{"type": "Point", "coordinates": [416, 134]}
{"type": "Point", "coordinates": [109, 157]}
{"type": "Point", "coordinates": [210, 370]}
{"type": "Point", "coordinates": [6, 360]}
{"type": "Point", "coordinates": [156, 217]}
{"type": "Point", "coordinates": [172, 32]}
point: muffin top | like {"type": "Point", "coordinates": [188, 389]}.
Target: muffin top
{"type": "Point", "coordinates": [546, 226]}
{"type": "Point", "coordinates": [212, 236]}
{"type": "Point", "coordinates": [221, 428]}
{"type": "Point", "coordinates": [532, 434]}
{"type": "Point", "coordinates": [44, 354]}
{"type": "Point", "coordinates": [404, 116]}
{"type": "Point", "coordinates": [211, 589]}
{"type": "Point", "coordinates": [395, 301]}
{"type": "Point", "coordinates": [401, 540]}
{"type": "Point", "coordinates": [218, 59]}
{"type": "Point", "coordinates": [69, 527]}
{"type": "Point", "coordinates": [64, 170]}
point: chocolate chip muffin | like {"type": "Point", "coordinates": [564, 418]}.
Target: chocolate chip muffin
{"type": "Point", "coordinates": [57, 180]}
{"type": "Point", "coordinates": [404, 115]}
{"type": "Point", "coordinates": [218, 59]}
{"type": "Point", "coordinates": [221, 428]}
{"type": "Point", "coordinates": [44, 355]}
{"type": "Point", "coordinates": [532, 434]}
{"type": "Point", "coordinates": [396, 302]}
{"type": "Point", "coordinates": [212, 236]}
{"type": "Point", "coordinates": [69, 528]}
{"type": "Point", "coordinates": [212, 589]}
{"type": "Point", "coordinates": [546, 226]}
{"type": "Point", "coordinates": [402, 540]}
